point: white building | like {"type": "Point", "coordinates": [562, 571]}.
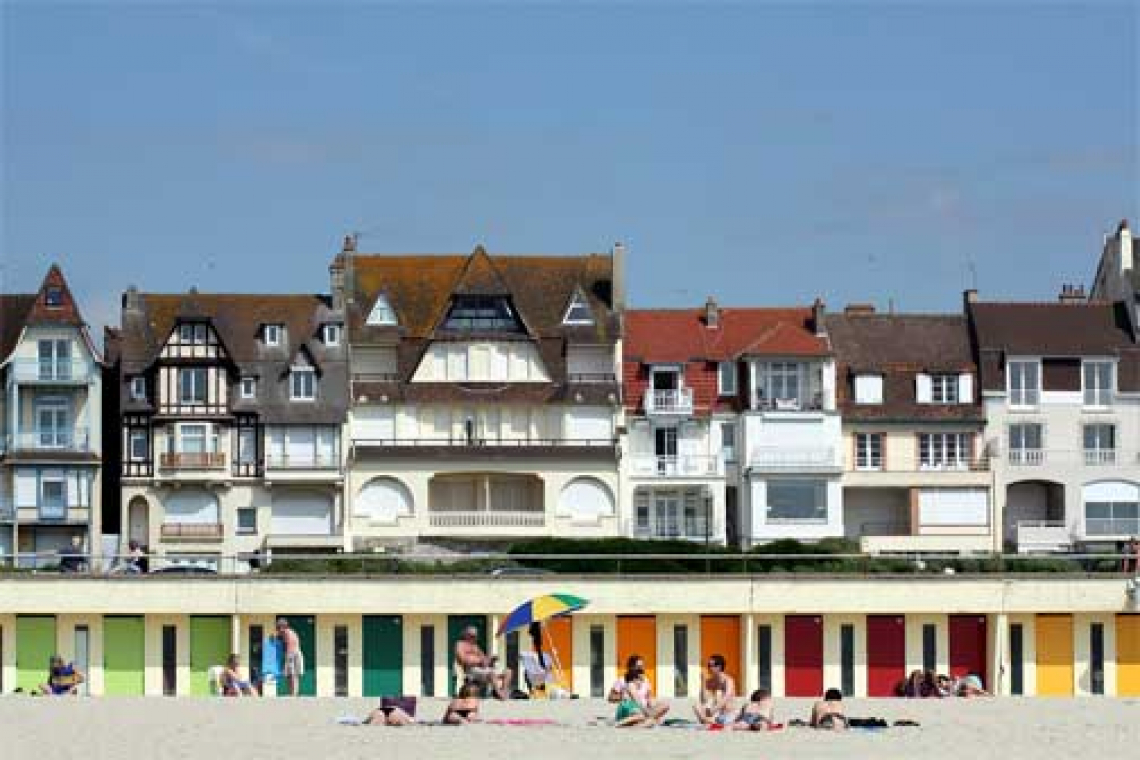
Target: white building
{"type": "Point", "coordinates": [51, 448]}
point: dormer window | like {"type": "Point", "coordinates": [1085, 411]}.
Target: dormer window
{"type": "Point", "coordinates": [382, 313]}
{"type": "Point", "coordinates": [138, 388]}
{"type": "Point", "coordinates": [53, 297]}
{"type": "Point", "coordinates": [331, 334]}
{"type": "Point", "coordinates": [482, 313]}
{"type": "Point", "coordinates": [944, 389]}
{"type": "Point", "coordinates": [302, 384]}
{"type": "Point", "coordinates": [272, 334]}
{"type": "Point", "coordinates": [726, 379]}
{"type": "Point", "coordinates": [868, 389]}
{"type": "Point", "coordinates": [192, 334]}
{"type": "Point", "coordinates": [249, 387]}
{"type": "Point", "coordinates": [578, 313]}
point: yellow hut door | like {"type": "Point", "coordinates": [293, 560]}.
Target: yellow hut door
{"type": "Point", "coordinates": [1055, 655]}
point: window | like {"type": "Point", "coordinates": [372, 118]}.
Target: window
{"type": "Point", "coordinates": [53, 297]}
{"type": "Point", "coordinates": [578, 313]}
{"type": "Point", "coordinates": [247, 520]}
{"type": "Point", "coordinates": [868, 451]}
{"type": "Point", "coordinates": [1098, 385]}
{"type": "Point", "coordinates": [139, 447]}
{"type": "Point", "coordinates": [797, 500]}
{"type": "Point", "coordinates": [192, 385]}
{"type": "Point", "coordinates": [1024, 382]}
{"type": "Point", "coordinates": [783, 382]}
{"type": "Point", "coordinates": [247, 446]}
{"type": "Point", "coordinates": [273, 335]}
{"type": "Point", "coordinates": [1112, 518]}
{"type": "Point", "coordinates": [726, 378]}
{"type": "Point", "coordinates": [1100, 443]}
{"type": "Point", "coordinates": [944, 389]}
{"type": "Point", "coordinates": [303, 384]}
{"type": "Point", "coordinates": [331, 335]}
{"type": "Point", "coordinates": [53, 422]}
{"type": "Point", "coordinates": [940, 451]}
{"type": "Point", "coordinates": [138, 388]}
{"type": "Point", "coordinates": [382, 312]}
{"type": "Point", "coordinates": [482, 313]}
{"type": "Point", "coordinates": [728, 441]}
{"type": "Point", "coordinates": [249, 387]}
{"type": "Point", "coordinates": [55, 359]}
{"type": "Point", "coordinates": [1026, 443]}
{"type": "Point", "coordinates": [868, 389]}
{"type": "Point", "coordinates": [53, 494]}
{"type": "Point", "coordinates": [192, 439]}
{"type": "Point", "coordinates": [192, 333]}
{"type": "Point", "coordinates": [186, 333]}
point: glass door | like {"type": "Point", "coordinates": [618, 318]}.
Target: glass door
{"type": "Point", "coordinates": [53, 425]}
{"type": "Point", "coordinates": [668, 517]}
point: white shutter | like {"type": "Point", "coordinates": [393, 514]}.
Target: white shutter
{"type": "Point", "coordinates": [868, 389]}
{"type": "Point", "coordinates": [301, 445]}
{"type": "Point", "coordinates": [965, 388]}
{"type": "Point", "coordinates": [26, 495]}
{"type": "Point", "coordinates": [922, 390]}
{"type": "Point", "coordinates": [72, 479]}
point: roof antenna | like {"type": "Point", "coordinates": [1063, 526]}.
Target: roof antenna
{"type": "Point", "coordinates": [973, 269]}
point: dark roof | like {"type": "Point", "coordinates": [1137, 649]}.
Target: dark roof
{"type": "Point", "coordinates": [655, 336]}
{"type": "Point", "coordinates": [13, 315]}
{"type": "Point", "coordinates": [149, 318]}
{"type": "Point", "coordinates": [900, 347]}
{"type": "Point", "coordinates": [1087, 328]}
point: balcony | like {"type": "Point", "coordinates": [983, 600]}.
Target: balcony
{"type": "Point", "coordinates": [781, 458]}
{"type": "Point", "coordinates": [952, 465]}
{"type": "Point", "coordinates": [677, 401]}
{"type": "Point", "coordinates": [1043, 536]}
{"type": "Point", "coordinates": [1087, 457]}
{"type": "Point", "coordinates": [191, 531]}
{"type": "Point", "coordinates": [650, 466]}
{"type": "Point", "coordinates": [1026, 457]}
{"type": "Point", "coordinates": [193, 460]}
{"type": "Point", "coordinates": [812, 403]}
{"type": "Point", "coordinates": [53, 372]}
{"type": "Point", "coordinates": [73, 440]}
{"type": "Point", "coordinates": [486, 519]}
{"type": "Point", "coordinates": [1095, 457]}
{"type": "Point", "coordinates": [286, 461]}
{"type": "Point", "coordinates": [591, 378]}
{"type": "Point", "coordinates": [664, 528]}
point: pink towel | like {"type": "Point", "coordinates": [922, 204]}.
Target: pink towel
{"type": "Point", "coordinates": [521, 722]}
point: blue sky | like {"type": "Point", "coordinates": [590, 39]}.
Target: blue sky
{"type": "Point", "coordinates": [763, 153]}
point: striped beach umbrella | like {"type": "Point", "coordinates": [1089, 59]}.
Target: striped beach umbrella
{"type": "Point", "coordinates": [539, 609]}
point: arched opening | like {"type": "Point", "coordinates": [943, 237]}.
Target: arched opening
{"type": "Point", "coordinates": [383, 500]}
{"type": "Point", "coordinates": [138, 521]}
{"type": "Point", "coordinates": [1034, 516]}
{"type": "Point", "coordinates": [586, 500]}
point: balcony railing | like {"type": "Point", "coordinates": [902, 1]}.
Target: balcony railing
{"type": "Point", "coordinates": [586, 378]}
{"type": "Point", "coordinates": [477, 441]}
{"type": "Point", "coordinates": [193, 460]}
{"type": "Point", "coordinates": [675, 401]}
{"type": "Point", "coordinates": [681, 466]}
{"type": "Point", "coordinates": [53, 371]}
{"type": "Point", "coordinates": [666, 529]}
{"type": "Point", "coordinates": [375, 377]}
{"type": "Point", "coordinates": [303, 462]}
{"type": "Point", "coordinates": [781, 457]}
{"type": "Point", "coordinates": [811, 403]}
{"type": "Point", "coordinates": [1026, 457]}
{"type": "Point", "coordinates": [192, 531]}
{"type": "Point", "coordinates": [486, 519]}
{"type": "Point", "coordinates": [1095, 457]}
{"type": "Point", "coordinates": [66, 439]}
{"type": "Point", "coordinates": [953, 465]}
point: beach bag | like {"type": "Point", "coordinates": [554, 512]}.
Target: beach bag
{"type": "Point", "coordinates": [407, 704]}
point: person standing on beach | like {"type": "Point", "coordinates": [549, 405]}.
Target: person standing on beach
{"type": "Point", "coordinates": [294, 658]}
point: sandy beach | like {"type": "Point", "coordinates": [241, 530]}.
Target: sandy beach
{"type": "Point", "coordinates": [199, 728]}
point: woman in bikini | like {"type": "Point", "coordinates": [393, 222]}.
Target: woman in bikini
{"type": "Point", "coordinates": [829, 713]}
{"type": "Point", "coordinates": [464, 708]}
{"type": "Point", "coordinates": [232, 682]}
{"type": "Point", "coordinates": [634, 695]}
{"type": "Point", "coordinates": [757, 714]}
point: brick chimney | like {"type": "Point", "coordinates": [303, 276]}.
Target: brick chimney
{"type": "Point", "coordinates": [818, 312]}
{"type": "Point", "coordinates": [1072, 294]}
{"type": "Point", "coordinates": [339, 272]}
{"type": "Point", "coordinates": [1127, 252]}
{"type": "Point", "coordinates": [969, 297]}
{"type": "Point", "coordinates": [712, 313]}
{"type": "Point", "coordinates": [617, 277]}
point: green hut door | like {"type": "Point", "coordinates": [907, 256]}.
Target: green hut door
{"type": "Point", "coordinates": [306, 628]}
{"type": "Point", "coordinates": [35, 644]}
{"type": "Point", "coordinates": [455, 627]}
{"type": "Point", "coordinates": [124, 655]}
{"type": "Point", "coordinates": [209, 647]}
{"type": "Point", "coordinates": [383, 655]}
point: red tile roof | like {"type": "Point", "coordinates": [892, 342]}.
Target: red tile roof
{"type": "Point", "coordinates": [658, 336]}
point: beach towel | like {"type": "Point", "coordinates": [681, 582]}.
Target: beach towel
{"type": "Point", "coordinates": [270, 658]}
{"type": "Point", "coordinates": [521, 722]}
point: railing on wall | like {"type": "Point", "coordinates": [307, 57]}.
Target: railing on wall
{"type": "Point", "coordinates": [76, 439]}
{"type": "Point", "coordinates": [193, 460]}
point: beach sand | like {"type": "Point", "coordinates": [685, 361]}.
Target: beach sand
{"type": "Point", "coordinates": [306, 728]}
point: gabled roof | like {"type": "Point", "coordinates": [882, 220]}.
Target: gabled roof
{"type": "Point", "coordinates": [661, 336]}
{"type": "Point", "coordinates": [13, 316]}
{"type": "Point", "coordinates": [21, 310]}
{"type": "Point", "coordinates": [420, 288]}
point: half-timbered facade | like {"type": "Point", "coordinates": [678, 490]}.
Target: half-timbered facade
{"type": "Point", "coordinates": [484, 395]}
{"type": "Point", "coordinates": [50, 450]}
{"type": "Point", "coordinates": [231, 412]}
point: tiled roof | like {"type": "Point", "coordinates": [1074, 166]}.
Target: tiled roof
{"type": "Point", "coordinates": [678, 335]}
{"type": "Point", "coordinates": [1052, 329]}
{"type": "Point", "coordinates": [13, 315]}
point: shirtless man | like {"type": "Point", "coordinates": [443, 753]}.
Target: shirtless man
{"type": "Point", "coordinates": [294, 659]}
{"type": "Point", "coordinates": [717, 692]}
{"type": "Point", "coordinates": [477, 667]}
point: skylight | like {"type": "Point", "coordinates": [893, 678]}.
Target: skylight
{"type": "Point", "coordinates": [482, 313]}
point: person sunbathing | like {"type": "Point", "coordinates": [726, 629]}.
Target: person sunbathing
{"type": "Point", "coordinates": [634, 695]}
{"type": "Point", "coordinates": [717, 693]}
{"type": "Point", "coordinates": [389, 715]}
{"type": "Point", "coordinates": [757, 715]}
{"type": "Point", "coordinates": [971, 686]}
{"type": "Point", "coordinates": [828, 713]}
{"type": "Point", "coordinates": [464, 708]}
{"type": "Point", "coordinates": [233, 685]}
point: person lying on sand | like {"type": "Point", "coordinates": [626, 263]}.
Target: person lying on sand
{"type": "Point", "coordinates": [464, 708]}
{"type": "Point", "coordinates": [757, 714]}
{"type": "Point", "coordinates": [828, 713]}
{"type": "Point", "coordinates": [971, 686]}
{"type": "Point", "coordinates": [390, 715]}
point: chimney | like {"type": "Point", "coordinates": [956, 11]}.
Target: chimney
{"type": "Point", "coordinates": [969, 297]}
{"type": "Point", "coordinates": [338, 272]}
{"type": "Point", "coordinates": [712, 313]}
{"type": "Point", "coordinates": [817, 314]}
{"type": "Point", "coordinates": [1072, 294]}
{"type": "Point", "coordinates": [617, 278]}
{"type": "Point", "coordinates": [859, 308]}
{"type": "Point", "coordinates": [131, 300]}
{"type": "Point", "coordinates": [1127, 253]}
